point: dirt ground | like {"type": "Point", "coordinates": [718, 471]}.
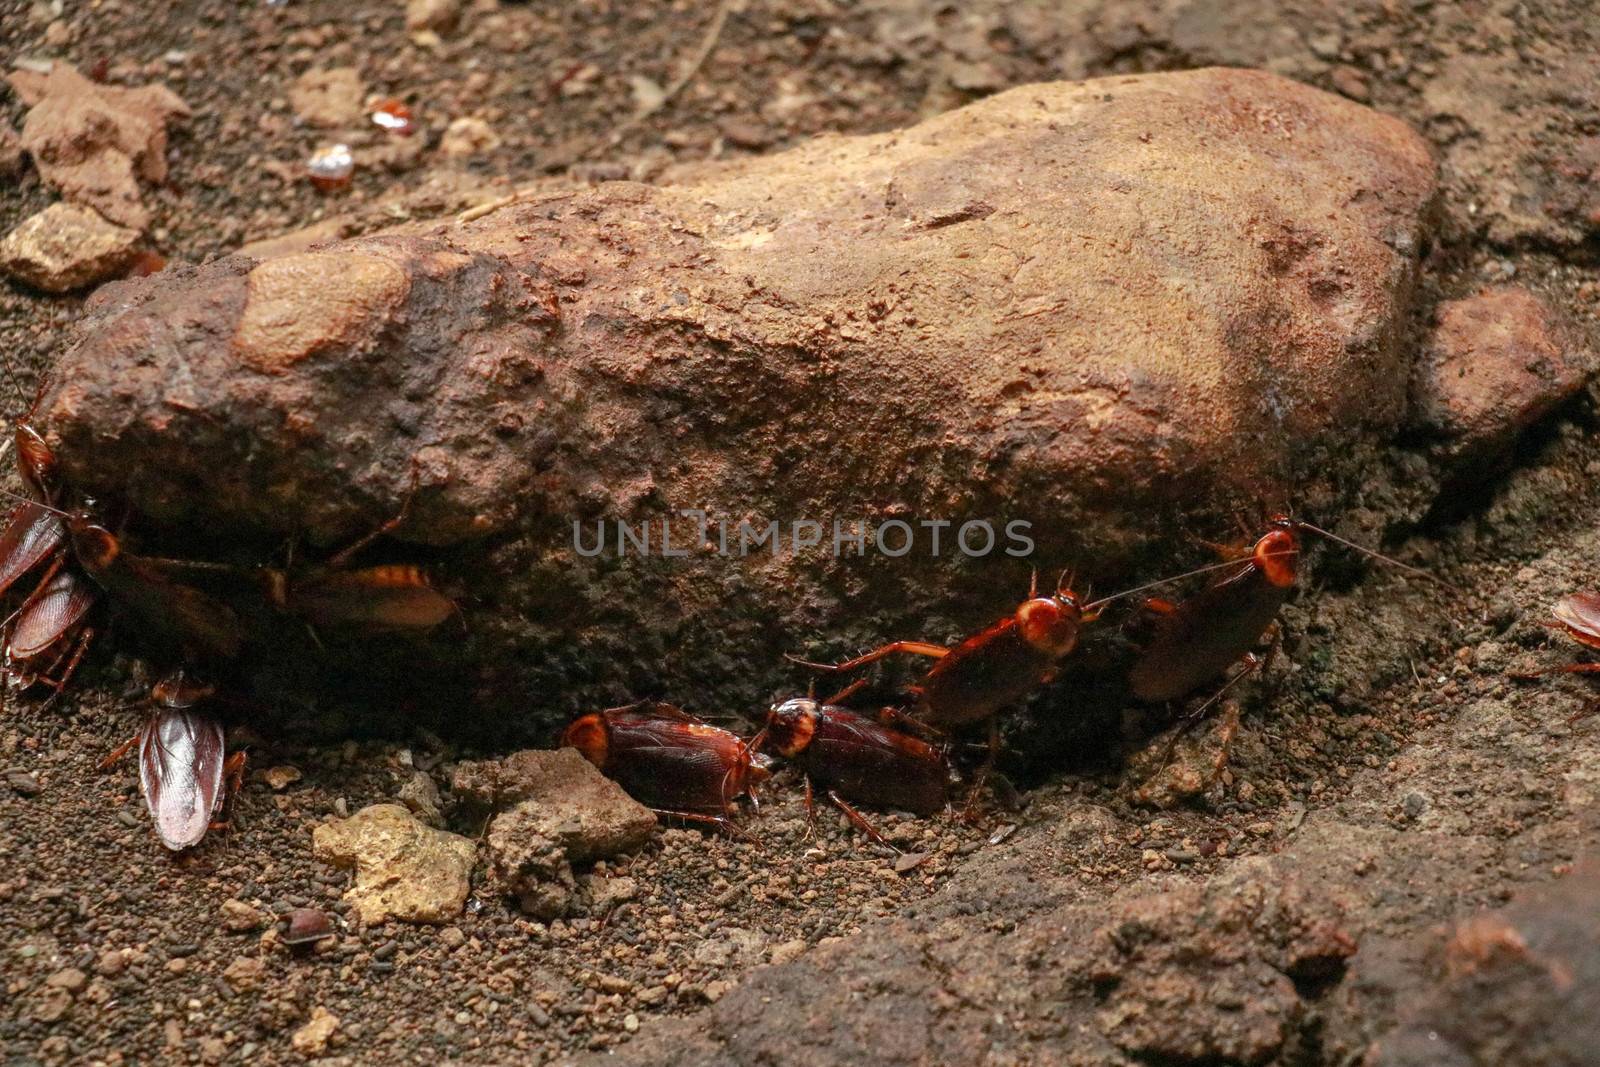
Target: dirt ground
{"type": "Point", "coordinates": [1388, 757]}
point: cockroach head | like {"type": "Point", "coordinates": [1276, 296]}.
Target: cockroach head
{"type": "Point", "coordinates": [1277, 552]}
{"type": "Point", "coordinates": [591, 736]}
{"type": "Point", "coordinates": [95, 545]}
{"type": "Point", "coordinates": [791, 725]}
{"type": "Point", "coordinates": [178, 691]}
{"type": "Point", "coordinates": [1051, 623]}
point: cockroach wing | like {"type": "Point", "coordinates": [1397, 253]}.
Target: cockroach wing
{"type": "Point", "coordinates": [51, 615]}
{"type": "Point", "coordinates": [388, 598]}
{"type": "Point", "coordinates": [1580, 614]}
{"type": "Point", "coordinates": [28, 539]}
{"type": "Point", "coordinates": [180, 773]}
{"type": "Point", "coordinates": [201, 626]}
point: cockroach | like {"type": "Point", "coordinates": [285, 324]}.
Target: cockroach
{"type": "Point", "coordinates": [1199, 638]}
{"type": "Point", "coordinates": [184, 620]}
{"type": "Point", "coordinates": [389, 597]}
{"type": "Point", "coordinates": [1579, 615]}
{"type": "Point", "coordinates": [386, 597]}
{"type": "Point", "coordinates": [991, 669]}
{"type": "Point", "coordinates": [49, 636]}
{"type": "Point", "coordinates": [852, 757]}
{"type": "Point", "coordinates": [669, 760]}
{"type": "Point", "coordinates": [185, 774]}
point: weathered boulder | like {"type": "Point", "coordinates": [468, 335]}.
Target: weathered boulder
{"type": "Point", "coordinates": [1095, 307]}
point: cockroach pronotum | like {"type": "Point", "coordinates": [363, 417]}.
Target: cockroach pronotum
{"type": "Point", "coordinates": [185, 774]}
{"type": "Point", "coordinates": [855, 758]}
{"type": "Point", "coordinates": [669, 760]}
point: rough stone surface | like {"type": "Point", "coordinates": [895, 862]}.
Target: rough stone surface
{"type": "Point", "coordinates": [466, 137]}
{"type": "Point", "coordinates": [65, 247]}
{"type": "Point", "coordinates": [1517, 985]}
{"type": "Point", "coordinates": [438, 15]}
{"type": "Point", "coordinates": [1194, 297]}
{"type": "Point", "coordinates": [328, 98]}
{"type": "Point", "coordinates": [11, 152]}
{"type": "Point", "coordinates": [96, 143]}
{"type": "Point", "coordinates": [403, 869]}
{"type": "Point", "coordinates": [530, 866]}
{"type": "Point", "coordinates": [311, 1040]}
{"type": "Point", "coordinates": [560, 796]}
{"type": "Point", "coordinates": [1495, 364]}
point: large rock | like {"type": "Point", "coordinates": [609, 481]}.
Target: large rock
{"type": "Point", "coordinates": [1496, 363]}
{"type": "Point", "coordinates": [1096, 307]}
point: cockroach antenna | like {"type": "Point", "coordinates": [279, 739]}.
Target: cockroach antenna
{"type": "Point", "coordinates": [1095, 605]}
{"type": "Point", "coordinates": [1372, 553]}
{"type": "Point", "coordinates": [36, 503]}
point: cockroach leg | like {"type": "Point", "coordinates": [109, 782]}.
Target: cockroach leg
{"type": "Point", "coordinates": [1252, 663]}
{"type": "Point", "coordinates": [233, 769]}
{"type": "Point", "coordinates": [349, 552]}
{"type": "Point", "coordinates": [117, 755]}
{"type": "Point", "coordinates": [911, 648]}
{"type": "Point", "coordinates": [847, 692]}
{"type": "Point", "coordinates": [80, 648]}
{"type": "Point", "coordinates": [901, 717]}
{"type": "Point", "coordinates": [721, 822]}
{"type": "Point", "coordinates": [859, 821]}
{"type": "Point", "coordinates": [969, 812]}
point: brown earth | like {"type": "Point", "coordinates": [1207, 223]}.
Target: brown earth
{"type": "Point", "coordinates": [1388, 781]}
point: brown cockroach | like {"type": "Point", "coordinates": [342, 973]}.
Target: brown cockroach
{"type": "Point", "coordinates": [669, 760]}
{"type": "Point", "coordinates": [47, 639]}
{"type": "Point", "coordinates": [185, 774]}
{"type": "Point", "coordinates": [395, 596]}
{"type": "Point", "coordinates": [1199, 638]}
{"type": "Point", "coordinates": [184, 620]}
{"type": "Point", "coordinates": [1578, 614]}
{"type": "Point", "coordinates": [991, 669]}
{"type": "Point", "coordinates": [852, 757]}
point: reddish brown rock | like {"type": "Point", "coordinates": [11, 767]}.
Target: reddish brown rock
{"type": "Point", "coordinates": [1093, 302]}
{"type": "Point", "coordinates": [65, 247]}
{"type": "Point", "coordinates": [96, 143]}
{"type": "Point", "coordinates": [1496, 363]}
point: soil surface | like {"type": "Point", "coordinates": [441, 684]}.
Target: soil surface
{"type": "Point", "coordinates": [1389, 778]}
